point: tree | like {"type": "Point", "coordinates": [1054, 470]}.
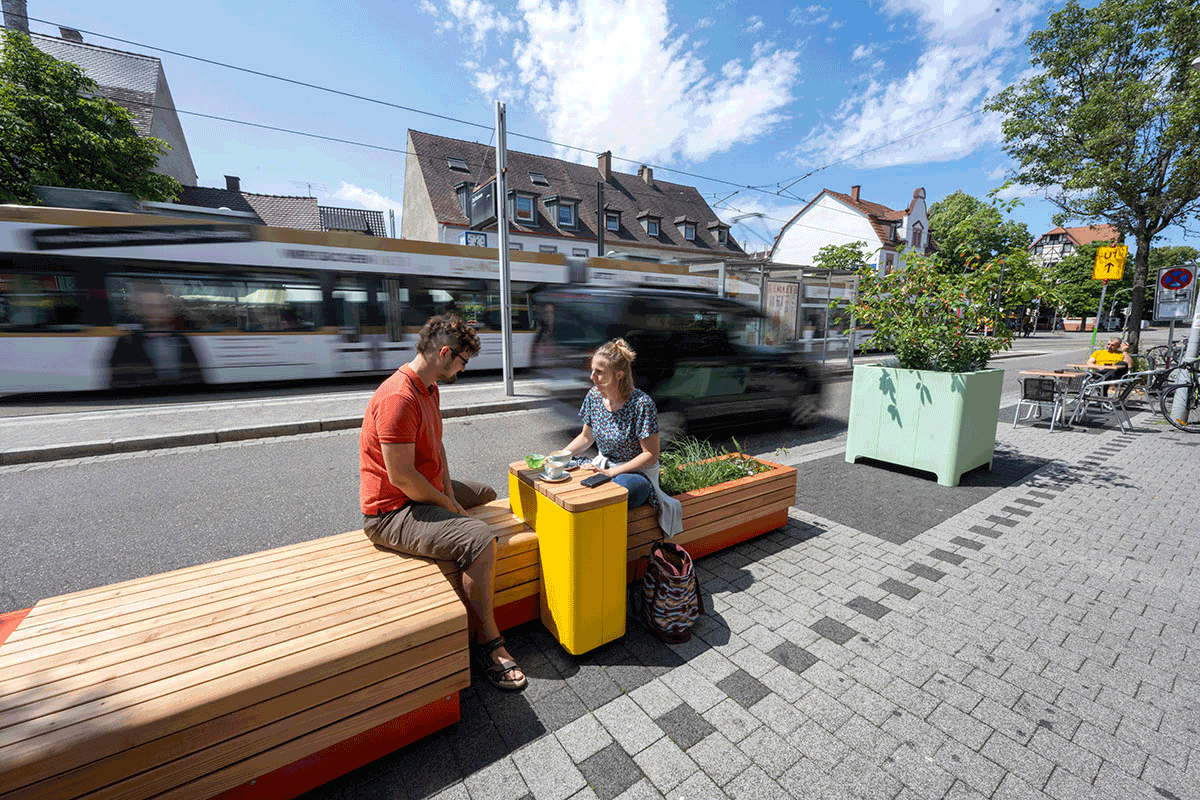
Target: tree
{"type": "Point", "coordinates": [56, 131]}
{"type": "Point", "coordinates": [1110, 124]}
{"type": "Point", "coordinates": [966, 228]}
{"type": "Point", "coordinates": [851, 256]}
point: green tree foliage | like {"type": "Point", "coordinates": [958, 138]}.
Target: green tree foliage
{"type": "Point", "coordinates": [1110, 124]}
{"type": "Point", "coordinates": [968, 229]}
{"type": "Point", "coordinates": [851, 256]}
{"type": "Point", "coordinates": [56, 131]}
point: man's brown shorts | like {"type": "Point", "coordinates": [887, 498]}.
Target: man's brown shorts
{"type": "Point", "coordinates": [428, 530]}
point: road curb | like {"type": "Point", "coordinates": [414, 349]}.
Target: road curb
{"type": "Point", "coordinates": [137, 444]}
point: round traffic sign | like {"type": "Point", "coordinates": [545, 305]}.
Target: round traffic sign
{"type": "Point", "coordinates": [1177, 278]}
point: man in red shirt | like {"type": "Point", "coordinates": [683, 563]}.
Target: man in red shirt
{"type": "Point", "coordinates": [409, 502]}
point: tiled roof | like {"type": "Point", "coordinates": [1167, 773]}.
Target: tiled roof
{"type": "Point", "coordinates": [878, 215]}
{"type": "Point", "coordinates": [623, 192]}
{"type": "Point", "coordinates": [285, 212]}
{"type": "Point", "coordinates": [1085, 234]}
{"type": "Point", "coordinates": [359, 220]}
{"type": "Point", "coordinates": [209, 197]}
{"type": "Point", "coordinates": [129, 79]}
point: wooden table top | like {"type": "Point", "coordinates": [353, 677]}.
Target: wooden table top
{"type": "Point", "coordinates": [569, 493]}
{"type": "Point", "coordinates": [1049, 373]}
{"type": "Point", "coordinates": [1098, 366]}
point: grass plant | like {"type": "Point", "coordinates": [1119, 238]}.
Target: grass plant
{"type": "Point", "coordinates": [689, 464]}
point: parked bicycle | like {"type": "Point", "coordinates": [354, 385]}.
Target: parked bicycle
{"type": "Point", "coordinates": [1183, 389]}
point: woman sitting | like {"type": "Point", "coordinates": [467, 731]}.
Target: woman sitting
{"type": "Point", "coordinates": [623, 423]}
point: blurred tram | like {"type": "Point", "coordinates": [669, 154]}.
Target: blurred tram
{"type": "Point", "coordinates": [93, 300]}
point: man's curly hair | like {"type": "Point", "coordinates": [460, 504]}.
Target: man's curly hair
{"type": "Point", "coordinates": [448, 330]}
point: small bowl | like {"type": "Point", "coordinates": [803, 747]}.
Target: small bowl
{"type": "Point", "coordinates": [535, 461]}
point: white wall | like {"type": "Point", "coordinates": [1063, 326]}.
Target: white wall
{"type": "Point", "coordinates": [826, 221]}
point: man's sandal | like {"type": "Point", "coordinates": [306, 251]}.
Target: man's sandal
{"type": "Point", "coordinates": [495, 672]}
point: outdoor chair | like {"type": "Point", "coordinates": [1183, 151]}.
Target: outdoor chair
{"type": "Point", "coordinates": [1109, 396]}
{"type": "Point", "coordinates": [1036, 393]}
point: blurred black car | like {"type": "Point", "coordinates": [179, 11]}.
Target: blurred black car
{"type": "Point", "coordinates": [697, 355]}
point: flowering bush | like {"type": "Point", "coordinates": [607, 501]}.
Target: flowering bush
{"type": "Point", "coordinates": [928, 317]}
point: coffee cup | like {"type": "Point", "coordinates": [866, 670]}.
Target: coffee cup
{"type": "Point", "coordinates": [559, 458]}
{"type": "Point", "coordinates": [554, 470]}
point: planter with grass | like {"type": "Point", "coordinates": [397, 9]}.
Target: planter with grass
{"type": "Point", "coordinates": [727, 498]}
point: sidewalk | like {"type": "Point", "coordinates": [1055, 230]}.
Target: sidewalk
{"type": "Point", "coordinates": [1032, 633]}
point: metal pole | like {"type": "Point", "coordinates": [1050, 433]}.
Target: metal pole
{"type": "Point", "coordinates": [1179, 405]}
{"type": "Point", "coordinates": [762, 303]}
{"type": "Point", "coordinates": [502, 223]}
{"type": "Point", "coordinates": [721, 280]}
{"type": "Point", "coordinates": [601, 219]}
{"type": "Point", "coordinates": [392, 219]}
{"type": "Point", "coordinates": [1170, 340]}
{"type": "Point", "coordinates": [1099, 310]}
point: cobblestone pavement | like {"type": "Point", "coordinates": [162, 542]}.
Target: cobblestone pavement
{"type": "Point", "coordinates": [1040, 643]}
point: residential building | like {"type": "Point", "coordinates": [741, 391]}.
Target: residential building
{"type": "Point", "coordinates": [1055, 245]}
{"type": "Point", "coordinates": [280, 211]}
{"type": "Point", "coordinates": [134, 81]}
{"type": "Point", "coordinates": [834, 218]}
{"type": "Point", "coordinates": [449, 196]}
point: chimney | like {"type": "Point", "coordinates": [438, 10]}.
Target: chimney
{"type": "Point", "coordinates": [604, 163]}
{"type": "Point", "coordinates": [233, 183]}
{"type": "Point", "coordinates": [70, 34]}
{"type": "Point", "coordinates": [16, 16]}
{"type": "Point", "coordinates": [646, 174]}
{"type": "Point", "coordinates": [854, 191]}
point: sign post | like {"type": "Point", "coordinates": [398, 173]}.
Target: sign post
{"type": "Point", "coordinates": [1110, 265]}
{"type": "Point", "coordinates": [502, 223]}
{"type": "Point", "coordinates": [1175, 293]}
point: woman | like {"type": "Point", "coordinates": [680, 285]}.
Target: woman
{"type": "Point", "coordinates": [623, 423]}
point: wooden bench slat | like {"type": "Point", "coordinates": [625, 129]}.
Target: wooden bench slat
{"type": "Point", "coordinates": [51, 634]}
{"type": "Point", "coordinates": [194, 752]}
{"type": "Point", "coordinates": [47, 744]}
{"type": "Point", "coordinates": [519, 592]}
{"type": "Point", "coordinates": [150, 643]}
{"type": "Point", "coordinates": [746, 507]}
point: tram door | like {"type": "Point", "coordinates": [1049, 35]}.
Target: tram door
{"type": "Point", "coordinates": [353, 350]}
{"type": "Point", "coordinates": [394, 347]}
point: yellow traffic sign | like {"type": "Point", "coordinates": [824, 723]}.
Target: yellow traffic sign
{"type": "Point", "coordinates": [1110, 263]}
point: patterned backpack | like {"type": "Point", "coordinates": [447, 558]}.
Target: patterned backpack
{"type": "Point", "coordinates": [670, 598]}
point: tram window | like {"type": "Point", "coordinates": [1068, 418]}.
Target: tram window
{"type": "Point", "coordinates": [211, 303]}
{"type": "Point", "coordinates": [40, 302]}
{"type": "Point", "coordinates": [350, 306]}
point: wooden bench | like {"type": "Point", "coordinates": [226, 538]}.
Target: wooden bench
{"type": "Point", "coordinates": [259, 676]}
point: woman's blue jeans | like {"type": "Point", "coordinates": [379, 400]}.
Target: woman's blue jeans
{"type": "Point", "coordinates": [638, 486]}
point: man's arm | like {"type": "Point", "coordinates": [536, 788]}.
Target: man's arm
{"type": "Point", "coordinates": [449, 486]}
{"type": "Point", "coordinates": [400, 460]}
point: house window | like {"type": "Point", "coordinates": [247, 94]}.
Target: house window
{"type": "Point", "coordinates": [538, 179]}
{"type": "Point", "coordinates": [612, 220]}
{"type": "Point", "coordinates": [722, 236]}
{"type": "Point", "coordinates": [916, 236]}
{"type": "Point", "coordinates": [652, 226]}
{"type": "Point", "coordinates": [581, 252]}
{"type": "Point", "coordinates": [523, 208]}
{"type": "Point", "coordinates": [456, 164]}
{"type": "Point", "coordinates": [515, 246]}
{"type": "Point", "coordinates": [547, 248]}
{"type": "Point", "coordinates": [689, 232]}
{"type": "Point", "coordinates": [566, 215]}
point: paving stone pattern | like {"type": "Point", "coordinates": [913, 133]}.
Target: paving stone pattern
{"type": "Point", "coordinates": [1011, 650]}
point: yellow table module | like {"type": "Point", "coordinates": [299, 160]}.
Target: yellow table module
{"type": "Point", "coordinates": [582, 543]}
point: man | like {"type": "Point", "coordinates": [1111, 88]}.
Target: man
{"type": "Point", "coordinates": [1115, 355]}
{"type": "Point", "coordinates": [409, 502]}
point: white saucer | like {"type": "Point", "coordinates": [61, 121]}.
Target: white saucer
{"type": "Point", "coordinates": [543, 476]}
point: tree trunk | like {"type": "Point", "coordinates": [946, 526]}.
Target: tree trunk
{"type": "Point", "coordinates": [1141, 263]}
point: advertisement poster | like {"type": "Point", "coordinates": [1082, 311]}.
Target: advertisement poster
{"type": "Point", "coordinates": [782, 300]}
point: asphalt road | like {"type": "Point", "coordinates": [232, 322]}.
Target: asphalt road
{"type": "Point", "coordinates": [67, 526]}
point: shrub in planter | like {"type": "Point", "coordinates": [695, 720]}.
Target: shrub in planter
{"type": "Point", "coordinates": [690, 464]}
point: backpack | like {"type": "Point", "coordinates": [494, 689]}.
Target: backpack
{"type": "Point", "coordinates": [669, 601]}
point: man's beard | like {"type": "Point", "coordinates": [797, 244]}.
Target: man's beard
{"type": "Point", "coordinates": [448, 379]}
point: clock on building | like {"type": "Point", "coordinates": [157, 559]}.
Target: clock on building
{"type": "Point", "coordinates": [474, 238]}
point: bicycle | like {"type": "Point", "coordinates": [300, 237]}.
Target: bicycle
{"type": "Point", "coordinates": [1185, 388]}
{"type": "Point", "coordinates": [1163, 355]}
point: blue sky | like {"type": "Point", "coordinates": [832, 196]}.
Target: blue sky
{"type": "Point", "coordinates": [880, 93]}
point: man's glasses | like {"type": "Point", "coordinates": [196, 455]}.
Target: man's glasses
{"type": "Point", "coordinates": [457, 354]}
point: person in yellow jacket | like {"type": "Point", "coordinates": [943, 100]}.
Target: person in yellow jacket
{"type": "Point", "coordinates": [1115, 355]}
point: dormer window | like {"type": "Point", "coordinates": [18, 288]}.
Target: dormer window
{"type": "Point", "coordinates": [612, 221]}
{"type": "Point", "coordinates": [457, 164]}
{"type": "Point", "coordinates": [719, 231]}
{"type": "Point", "coordinates": [563, 210]}
{"type": "Point", "coordinates": [538, 179]}
{"type": "Point", "coordinates": [523, 208]}
{"type": "Point", "coordinates": [687, 227]}
{"type": "Point", "coordinates": [463, 192]}
{"type": "Point", "coordinates": [650, 224]}
{"type": "Point", "coordinates": [722, 236]}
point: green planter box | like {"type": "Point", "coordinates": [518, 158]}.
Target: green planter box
{"type": "Point", "coordinates": [939, 422]}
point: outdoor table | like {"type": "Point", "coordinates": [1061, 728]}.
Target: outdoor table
{"type": "Point", "coordinates": [1062, 380]}
{"type": "Point", "coordinates": [582, 536]}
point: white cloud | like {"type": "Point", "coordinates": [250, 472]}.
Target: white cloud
{"type": "Point", "coordinates": [928, 113]}
{"type": "Point", "coordinates": [808, 15]}
{"type": "Point", "coordinates": [705, 22]}
{"type": "Point", "coordinates": [862, 51]}
{"type": "Point", "coordinates": [754, 24]}
{"type": "Point", "coordinates": [365, 198]}
{"type": "Point", "coordinates": [652, 97]}
{"type": "Point", "coordinates": [477, 19]}
{"type": "Point", "coordinates": [997, 173]}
